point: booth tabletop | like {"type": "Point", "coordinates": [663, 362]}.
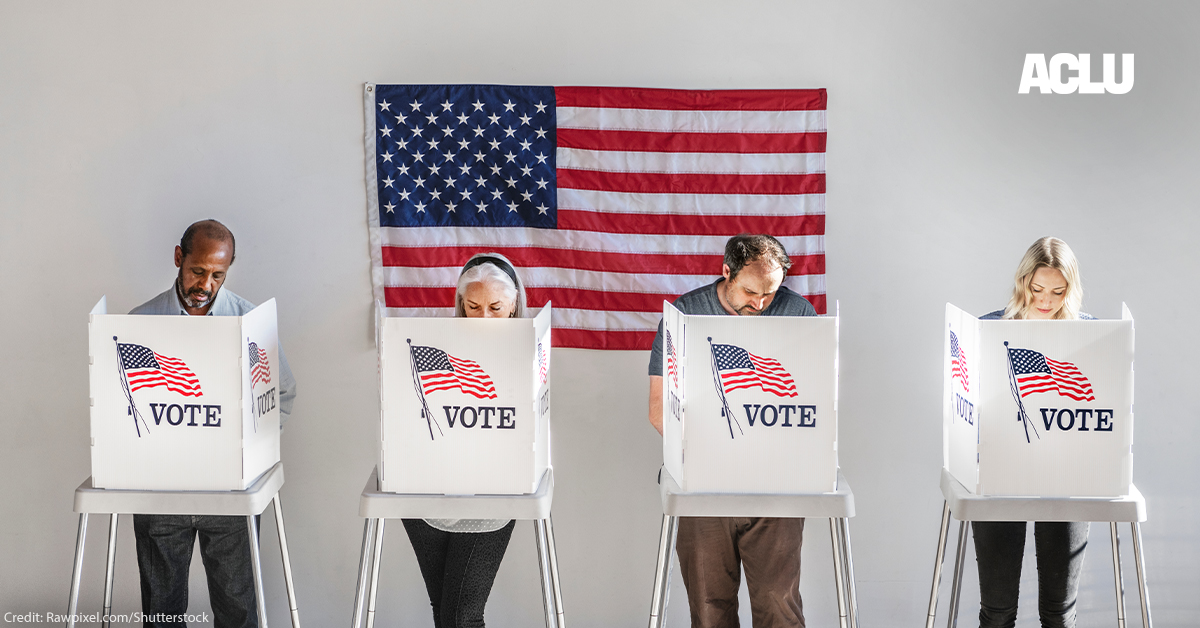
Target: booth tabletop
{"type": "Point", "coordinates": [375, 504]}
{"type": "Point", "coordinates": [675, 502]}
{"type": "Point", "coordinates": [251, 501]}
{"type": "Point", "coordinates": [967, 506]}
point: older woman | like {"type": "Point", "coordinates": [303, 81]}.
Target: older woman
{"type": "Point", "coordinates": [459, 558]}
{"type": "Point", "coordinates": [1047, 287]}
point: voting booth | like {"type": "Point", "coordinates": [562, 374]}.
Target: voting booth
{"type": "Point", "coordinates": [465, 404]}
{"type": "Point", "coordinates": [1038, 408]}
{"type": "Point", "coordinates": [750, 403]}
{"type": "Point", "coordinates": [183, 402]}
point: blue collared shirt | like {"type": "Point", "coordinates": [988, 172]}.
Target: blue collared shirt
{"type": "Point", "coordinates": [226, 304]}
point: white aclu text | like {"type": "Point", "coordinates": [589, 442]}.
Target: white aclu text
{"type": "Point", "coordinates": [1053, 77]}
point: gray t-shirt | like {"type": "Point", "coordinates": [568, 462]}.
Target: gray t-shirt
{"type": "Point", "coordinates": [703, 301]}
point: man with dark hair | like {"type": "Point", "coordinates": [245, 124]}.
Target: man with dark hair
{"type": "Point", "coordinates": [713, 550]}
{"type": "Point", "coordinates": [164, 542]}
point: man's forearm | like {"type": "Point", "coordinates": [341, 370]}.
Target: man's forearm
{"type": "Point", "coordinates": [656, 401]}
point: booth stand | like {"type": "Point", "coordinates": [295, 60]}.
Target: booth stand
{"type": "Point", "coordinates": [837, 506]}
{"type": "Point", "coordinates": [967, 507]}
{"type": "Point", "coordinates": [377, 507]}
{"type": "Point", "coordinates": [246, 503]}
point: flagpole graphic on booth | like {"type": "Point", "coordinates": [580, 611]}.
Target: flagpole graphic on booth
{"type": "Point", "coordinates": [151, 369]}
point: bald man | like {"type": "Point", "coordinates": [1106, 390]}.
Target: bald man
{"type": "Point", "coordinates": [164, 542]}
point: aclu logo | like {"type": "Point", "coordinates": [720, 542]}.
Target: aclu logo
{"type": "Point", "coordinates": [1055, 76]}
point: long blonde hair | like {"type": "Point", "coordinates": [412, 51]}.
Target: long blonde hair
{"type": "Point", "coordinates": [1053, 253]}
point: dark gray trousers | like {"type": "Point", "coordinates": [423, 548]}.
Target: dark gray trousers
{"type": "Point", "coordinates": [999, 549]}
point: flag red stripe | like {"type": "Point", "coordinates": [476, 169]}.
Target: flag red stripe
{"type": "Point", "coordinates": [617, 340]}
{"type": "Point", "coordinates": [697, 100]}
{"type": "Point", "coordinates": [690, 183]}
{"type": "Point", "coordinates": [672, 142]}
{"type": "Point", "coordinates": [571, 298]}
{"type": "Point", "coordinates": [538, 257]}
{"type": "Point", "coordinates": [676, 224]}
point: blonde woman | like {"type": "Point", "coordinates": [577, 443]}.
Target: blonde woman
{"type": "Point", "coordinates": [1047, 287]}
{"type": "Point", "coordinates": [459, 558]}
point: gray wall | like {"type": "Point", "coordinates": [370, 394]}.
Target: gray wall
{"type": "Point", "coordinates": [121, 122]}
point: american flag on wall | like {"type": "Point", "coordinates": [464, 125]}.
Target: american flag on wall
{"type": "Point", "coordinates": [607, 200]}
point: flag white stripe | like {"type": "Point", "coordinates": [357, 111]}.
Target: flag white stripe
{"type": "Point", "coordinates": [524, 237]}
{"type": "Point", "coordinates": [545, 277]}
{"type": "Point", "coordinates": [564, 318]}
{"type": "Point", "coordinates": [692, 204]}
{"type": "Point", "coordinates": [709, 163]}
{"type": "Point", "coordinates": [691, 121]}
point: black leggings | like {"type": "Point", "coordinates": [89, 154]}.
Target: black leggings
{"type": "Point", "coordinates": [999, 548]}
{"type": "Point", "coordinates": [459, 569]}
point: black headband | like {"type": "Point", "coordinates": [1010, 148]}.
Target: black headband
{"type": "Point", "coordinates": [494, 261]}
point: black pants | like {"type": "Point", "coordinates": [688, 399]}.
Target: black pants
{"type": "Point", "coordinates": [999, 548]}
{"type": "Point", "coordinates": [459, 569]}
{"type": "Point", "coordinates": [164, 551]}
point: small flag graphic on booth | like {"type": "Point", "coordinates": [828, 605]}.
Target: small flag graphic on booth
{"type": "Point", "coordinates": [439, 370]}
{"type": "Point", "coordinates": [672, 360]}
{"type": "Point", "coordinates": [1036, 373]}
{"type": "Point", "coordinates": [958, 363]}
{"type": "Point", "coordinates": [734, 368]}
{"type": "Point", "coordinates": [260, 366]}
{"type": "Point", "coordinates": [144, 368]}
{"type": "Point", "coordinates": [739, 369]}
{"type": "Point", "coordinates": [543, 358]}
{"type": "Point", "coordinates": [1032, 372]}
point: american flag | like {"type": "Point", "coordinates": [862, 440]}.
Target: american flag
{"type": "Point", "coordinates": [607, 200]}
{"type": "Point", "coordinates": [672, 362]}
{"type": "Point", "coordinates": [543, 358]}
{"type": "Point", "coordinates": [260, 366]}
{"type": "Point", "coordinates": [439, 370]}
{"type": "Point", "coordinates": [741, 369]}
{"type": "Point", "coordinates": [146, 369]}
{"type": "Point", "coordinates": [1036, 373]}
{"type": "Point", "coordinates": [958, 363]}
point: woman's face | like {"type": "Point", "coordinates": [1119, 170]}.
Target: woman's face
{"type": "Point", "coordinates": [1047, 291]}
{"type": "Point", "coordinates": [487, 299]}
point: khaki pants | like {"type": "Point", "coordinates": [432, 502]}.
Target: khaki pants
{"type": "Point", "coordinates": [712, 552]}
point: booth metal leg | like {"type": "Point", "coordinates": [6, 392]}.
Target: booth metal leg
{"type": "Point", "coordinates": [287, 563]}
{"type": "Point", "coordinates": [554, 579]}
{"type": "Point", "coordinates": [374, 590]}
{"type": "Point", "coordinates": [662, 571]}
{"type": "Point", "coordinates": [1140, 564]}
{"type": "Point", "coordinates": [848, 554]}
{"type": "Point", "coordinates": [77, 571]}
{"type": "Point", "coordinates": [943, 536]}
{"type": "Point", "coordinates": [539, 533]}
{"type": "Point", "coordinates": [838, 576]}
{"type": "Point", "coordinates": [256, 563]}
{"type": "Point", "coordinates": [110, 568]}
{"type": "Point", "coordinates": [1118, 581]}
{"type": "Point", "coordinates": [364, 565]}
{"type": "Point", "coordinates": [956, 586]}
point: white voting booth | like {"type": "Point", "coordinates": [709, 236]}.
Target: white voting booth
{"type": "Point", "coordinates": [465, 404]}
{"type": "Point", "coordinates": [750, 403]}
{"type": "Point", "coordinates": [1039, 408]}
{"type": "Point", "coordinates": [183, 402]}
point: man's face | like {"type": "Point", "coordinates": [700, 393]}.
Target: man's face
{"type": "Point", "coordinates": [754, 288]}
{"type": "Point", "coordinates": [202, 272]}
